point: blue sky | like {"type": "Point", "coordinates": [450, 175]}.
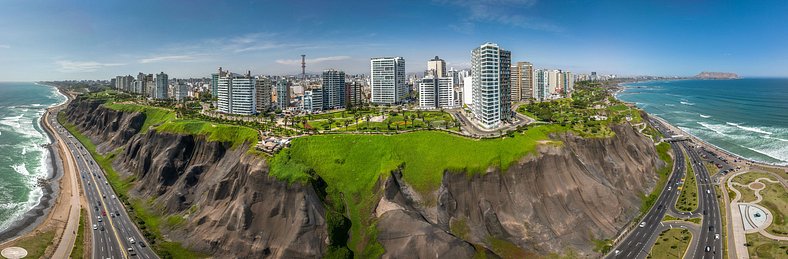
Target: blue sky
{"type": "Point", "coordinates": [58, 39]}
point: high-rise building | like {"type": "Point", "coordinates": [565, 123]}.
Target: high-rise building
{"type": "Point", "coordinates": [387, 79]}
{"type": "Point", "coordinates": [568, 83]}
{"type": "Point", "coordinates": [282, 94]}
{"type": "Point", "coordinates": [181, 90]}
{"type": "Point", "coordinates": [237, 94]}
{"type": "Point", "coordinates": [354, 95]}
{"type": "Point", "coordinates": [436, 67]}
{"type": "Point", "coordinates": [313, 100]}
{"type": "Point", "coordinates": [263, 87]}
{"type": "Point", "coordinates": [333, 89]}
{"type": "Point", "coordinates": [522, 81]}
{"type": "Point", "coordinates": [215, 82]}
{"type": "Point", "coordinates": [540, 86]}
{"type": "Point", "coordinates": [436, 92]}
{"type": "Point", "coordinates": [467, 91]}
{"type": "Point", "coordinates": [162, 86]}
{"type": "Point", "coordinates": [491, 72]}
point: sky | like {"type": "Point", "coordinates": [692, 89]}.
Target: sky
{"type": "Point", "coordinates": [70, 39]}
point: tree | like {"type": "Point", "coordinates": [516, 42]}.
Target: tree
{"type": "Point", "coordinates": [367, 118]}
{"type": "Point", "coordinates": [330, 122]}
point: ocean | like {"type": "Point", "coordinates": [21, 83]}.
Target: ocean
{"type": "Point", "coordinates": [23, 159]}
{"type": "Point", "coordinates": [747, 117]}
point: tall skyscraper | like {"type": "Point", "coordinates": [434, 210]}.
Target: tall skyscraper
{"type": "Point", "coordinates": [522, 81]}
{"type": "Point", "coordinates": [162, 86]}
{"type": "Point", "coordinates": [540, 86]}
{"type": "Point", "coordinates": [263, 87]}
{"type": "Point", "coordinates": [215, 82]}
{"type": "Point", "coordinates": [569, 83]}
{"type": "Point", "coordinates": [387, 80]}
{"type": "Point", "coordinates": [282, 94]}
{"type": "Point", "coordinates": [237, 94]}
{"type": "Point", "coordinates": [333, 89]}
{"type": "Point", "coordinates": [436, 67]}
{"type": "Point", "coordinates": [491, 72]}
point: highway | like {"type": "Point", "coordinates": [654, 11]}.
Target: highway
{"type": "Point", "coordinates": [110, 239]}
{"type": "Point", "coordinates": [636, 244]}
{"type": "Point", "coordinates": [711, 227]}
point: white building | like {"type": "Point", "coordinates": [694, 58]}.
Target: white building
{"type": "Point", "coordinates": [237, 94]}
{"type": "Point", "coordinates": [387, 80]}
{"type": "Point", "coordinates": [490, 70]}
{"type": "Point", "coordinates": [467, 91]}
{"type": "Point", "coordinates": [540, 87]}
{"type": "Point", "coordinates": [313, 100]}
{"type": "Point", "coordinates": [181, 90]}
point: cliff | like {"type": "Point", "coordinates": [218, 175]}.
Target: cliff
{"type": "Point", "coordinates": [560, 198]}
{"type": "Point", "coordinates": [230, 206]}
{"type": "Point", "coordinates": [716, 75]}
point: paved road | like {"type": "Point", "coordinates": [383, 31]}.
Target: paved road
{"type": "Point", "coordinates": [66, 244]}
{"type": "Point", "coordinates": [636, 244]}
{"type": "Point", "coordinates": [111, 239]}
{"type": "Point", "coordinates": [711, 227]}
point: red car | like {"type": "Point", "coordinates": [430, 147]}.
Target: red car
{"type": "Point", "coordinates": [103, 213]}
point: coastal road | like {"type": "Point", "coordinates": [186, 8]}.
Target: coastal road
{"type": "Point", "coordinates": [111, 239]}
{"type": "Point", "coordinates": [637, 243]}
{"type": "Point", "coordinates": [711, 227]}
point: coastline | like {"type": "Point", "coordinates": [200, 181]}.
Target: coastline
{"type": "Point", "coordinates": [709, 146]}
{"type": "Point", "coordinates": [33, 218]}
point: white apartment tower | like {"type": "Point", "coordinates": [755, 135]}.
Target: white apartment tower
{"type": "Point", "coordinates": [490, 72]}
{"type": "Point", "coordinates": [237, 94]}
{"type": "Point", "coordinates": [387, 80]}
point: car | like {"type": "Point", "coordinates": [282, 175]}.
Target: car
{"type": "Point", "coordinates": [113, 196]}
{"type": "Point", "coordinates": [142, 244]}
{"type": "Point", "coordinates": [96, 207]}
{"type": "Point", "coordinates": [131, 251]}
{"type": "Point", "coordinates": [708, 191]}
{"type": "Point", "coordinates": [617, 252]}
{"type": "Point", "coordinates": [642, 224]}
{"type": "Point", "coordinates": [102, 228]}
{"type": "Point", "coordinates": [95, 227]}
{"type": "Point", "coordinates": [669, 188]}
{"type": "Point", "coordinates": [708, 248]}
{"type": "Point", "coordinates": [104, 196]}
{"type": "Point", "coordinates": [117, 213]}
{"type": "Point", "coordinates": [716, 236]}
{"type": "Point", "coordinates": [104, 213]}
{"type": "Point", "coordinates": [99, 218]}
{"type": "Point", "coordinates": [131, 240]}
{"type": "Point", "coordinates": [711, 228]}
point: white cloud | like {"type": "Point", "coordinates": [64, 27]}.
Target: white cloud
{"type": "Point", "coordinates": [68, 66]}
{"type": "Point", "coordinates": [5, 46]}
{"type": "Point", "coordinates": [171, 58]}
{"type": "Point", "coordinates": [311, 61]}
{"type": "Point", "coordinates": [506, 12]}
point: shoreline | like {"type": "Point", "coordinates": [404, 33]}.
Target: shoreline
{"type": "Point", "coordinates": [709, 146]}
{"type": "Point", "coordinates": [33, 218]}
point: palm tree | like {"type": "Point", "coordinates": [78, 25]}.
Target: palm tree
{"type": "Point", "coordinates": [367, 118]}
{"type": "Point", "coordinates": [330, 122]}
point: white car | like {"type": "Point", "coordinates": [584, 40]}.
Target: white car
{"type": "Point", "coordinates": [716, 236]}
{"type": "Point", "coordinates": [131, 240]}
{"type": "Point", "coordinates": [642, 224]}
{"type": "Point", "coordinates": [95, 227]}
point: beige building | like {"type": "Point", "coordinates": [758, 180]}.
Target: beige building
{"type": "Point", "coordinates": [522, 81]}
{"type": "Point", "coordinates": [436, 67]}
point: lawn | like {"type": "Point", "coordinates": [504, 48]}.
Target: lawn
{"type": "Point", "coordinates": [688, 200]}
{"type": "Point", "coordinates": [236, 135]}
{"type": "Point", "coordinates": [693, 220]}
{"type": "Point", "coordinates": [775, 198]}
{"type": "Point", "coordinates": [36, 244]}
{"type": "Point", "coordinates": [723, 218]}
{"type": "Point", "coordinates": [79, 243]}
{"type": "Point", "coordinates": [355, 164]}
{"type": "Point", "coordinates": [153, 115]}
{"type": "Point", "coordinates": [759, 246]}
{"type": "Point", "coordinates": [392, 121]}
{"type": "Point", "coordinates": [671, 243]}
{"type": "Point", "coordinates": [747, 178]}
{"type": "Point", "coordinates": [711, 168]}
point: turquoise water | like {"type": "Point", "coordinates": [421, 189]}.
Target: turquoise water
{"type": "Point", "coordinates": [22, 158]}
{"type": "Point", "coordinates": [748, 117]}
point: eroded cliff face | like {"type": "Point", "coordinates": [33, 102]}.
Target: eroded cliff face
{"type": "Point", "coordinates": [561, 198]}
{"type": "Point", "coordinates": [230, 205]}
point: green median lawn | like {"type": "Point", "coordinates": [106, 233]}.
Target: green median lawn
{"type": "Point", "coordinates": [671, 243]}
{"type": "Point", "coordinates": [354, 165]}
{"type": "Point", "coordinates": [688, 199]}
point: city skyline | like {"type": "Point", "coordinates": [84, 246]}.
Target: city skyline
{"type": "Point", "coordinates": [191, 39]}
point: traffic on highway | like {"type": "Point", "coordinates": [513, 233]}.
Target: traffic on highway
{"type": "Point", "coordinates": [114, 234]}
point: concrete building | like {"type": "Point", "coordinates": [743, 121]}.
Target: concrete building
{"type": "Point", "coordinates": [162, 86]}
{"type": "Point", "coordinates": [491, 73]}
{"type": "Point", "coordinates": [436, 67]}
{"type": "Point", "coordinates": [313, 100]}
{"type": "Point", "coordinates": [181, 90]}
{"type": "Point", "coordinates": [387, 80]}
{"type": "Point", "coordinates": [540, 86]}
{"type": "Point", "coordinates": [568, 83]}
{"type": "Point", "coordinates": [467, 91]}
{"type": "Point", "coordinates": [522, 81]}
{"type": "Point", "coordinates": [263, 87]}
{"type": "Point", "coordinates": [282, 94]}
{"type": "Point", "coordinates": [215, 81]}
{"type": "Point", "coordinates": [237, 94]}
{"type": "Point", "coordinates": [354, 95]}
{"type": "Point", "coordinates": [333, 89]}
{"type": "Point", "coordinates": [436, 93]}
{"type": "Point", "coordinates": [553, 82]}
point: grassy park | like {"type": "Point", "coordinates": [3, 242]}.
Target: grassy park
{"type": "Point", "coordinates": [688, 199]}
{"type": "Point", "coordinates": [671, 243]}
{"type": "Point", "coordinates": [759, 246]}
